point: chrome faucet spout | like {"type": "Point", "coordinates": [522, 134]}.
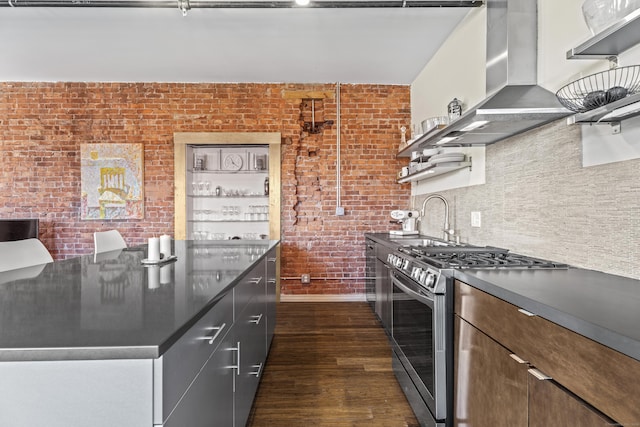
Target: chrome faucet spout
{"type": "Point", "coordinates": [446, 213]}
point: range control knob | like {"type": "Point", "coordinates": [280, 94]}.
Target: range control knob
{"type": "Point", "coordinates": [430, 280]}
{"type": "Point", "coordinates": [423, 276]}
{"type": "Point", "coordinates": [390, 258]}
{"type": "Point", "coordinates": [405, 264]}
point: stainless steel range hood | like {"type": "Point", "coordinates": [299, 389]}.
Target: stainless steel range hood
{"type": "Point", "coordinates": [515, 102]}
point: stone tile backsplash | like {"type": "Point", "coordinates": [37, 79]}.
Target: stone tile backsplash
{"type": "Point", "coordinates": [538, 200]}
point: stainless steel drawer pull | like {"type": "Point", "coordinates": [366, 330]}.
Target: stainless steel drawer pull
{"type": "Point", "coordinates": [271, 281]}
{"type": "Point", "coordinates": [259, 370]}
{"type": "Point", "coordinates": [256, 319]}
{"type": "Point", "coordinates": [218, 330]}
{"type": "Point", "coordinates": [271, 259]}
{"type": "Point", "coordinates": [256, 281]}
{"type": "Point", "coordinates": [525, 312]}
{"type": "Point", "coordinates": [237, 365]}
{"type": "Point", "coordinates": [539, 375]}
{"type": "Point", "coordinates": [517, 358]}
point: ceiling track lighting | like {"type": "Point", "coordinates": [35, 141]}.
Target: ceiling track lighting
{"type": "Point", "coordinates": [185, 5]}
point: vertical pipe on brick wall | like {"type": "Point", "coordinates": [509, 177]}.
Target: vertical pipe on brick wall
{"type": "Point", "coordinates": [338, 184]}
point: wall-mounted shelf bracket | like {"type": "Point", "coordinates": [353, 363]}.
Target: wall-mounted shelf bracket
{"type": "Point", "coordinates": [616, 128]}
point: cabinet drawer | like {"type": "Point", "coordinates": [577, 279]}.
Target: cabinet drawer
{"type": "Point", "coordinates": [251, 285]}
{"type": "Point", "coordinates": [209, 400]}
{"type": "Point", "coordinates": [251, 334]}
{"type": "Point", "coordinates": [183, 361]}
{"type": "Point", "coordinates": [551, 405]}
{"type": "Point", "coordinates": [601, 376]}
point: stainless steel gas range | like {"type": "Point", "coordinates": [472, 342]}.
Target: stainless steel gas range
{"type": "Point", "coordinates": [422, 318]}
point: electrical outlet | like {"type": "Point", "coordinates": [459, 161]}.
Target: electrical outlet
{"type": "Point", "coordinates": [476, 219]}
{"type": "Point", "coordinates": [305, 279]}
{"type": "Point", "coordinates": [339, 211]}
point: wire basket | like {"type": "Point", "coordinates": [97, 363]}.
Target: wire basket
{"type": "Point", "coordinates": [600, 89]}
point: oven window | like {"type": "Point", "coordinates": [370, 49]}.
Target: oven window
{"type": "Point", "coordinates": [413, 332]}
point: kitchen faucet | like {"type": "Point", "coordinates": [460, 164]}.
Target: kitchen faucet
{"type": "Point", "coordinates": [446, 229]}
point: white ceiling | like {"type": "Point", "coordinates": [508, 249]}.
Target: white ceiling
{"type": "Point", "coordinates": [318, 45]}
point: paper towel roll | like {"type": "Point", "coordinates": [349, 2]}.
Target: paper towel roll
{"type": "Point", "coordinates": [165, 245]}
{"type": "Point", "coordinates": [154, 249]}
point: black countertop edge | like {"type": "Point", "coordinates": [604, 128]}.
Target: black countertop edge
{"type": "Point", "coordinates": [609, 338]}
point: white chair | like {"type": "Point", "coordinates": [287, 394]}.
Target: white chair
{"type": "Point", "coordinates": [23, 253]}
{"type": "Point", "coordinates": [107, 241]}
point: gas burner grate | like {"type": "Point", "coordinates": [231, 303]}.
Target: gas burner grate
{"type": "Point", "coordinates": [478, 258]}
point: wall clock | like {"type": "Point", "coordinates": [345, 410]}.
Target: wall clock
{"type": "Point", "coordinates": [232, 162]}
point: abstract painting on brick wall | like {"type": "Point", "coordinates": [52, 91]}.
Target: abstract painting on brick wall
{"type": "Point", "coordinates": [112, 181]}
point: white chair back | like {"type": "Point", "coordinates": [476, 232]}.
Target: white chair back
{"type": "Point", "coordinates": [23, 253]}
{"type": "Point", "coordinates": [107, 241]}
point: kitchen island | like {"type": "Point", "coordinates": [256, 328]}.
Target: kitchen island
{"type": "Point", "coordinates": [107, 341]}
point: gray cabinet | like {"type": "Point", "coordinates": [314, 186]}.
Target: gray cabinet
{"type": "Point", "coordinates": [250, 338]}
{"type": "Point", "coordinates": [221, 390]}
{"type": "Point", "coordinates": [383, 302]}
{"type": "Point", "coordinates": [209, 400]}
{"type": "Point", "coordinates": [378, 281]}
{"type": "Point", "coordinates": [185, 359]}
{"type": "Point", "coordinates": [370, 273]}
{"type": "Point", "coordinates": [271, 295]}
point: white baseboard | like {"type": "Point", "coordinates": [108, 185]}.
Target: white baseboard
{"type": "Point", "coordinates": [323, 298]}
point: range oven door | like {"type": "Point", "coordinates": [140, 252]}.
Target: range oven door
{"type": "Point", "coordinates": [419, 330]}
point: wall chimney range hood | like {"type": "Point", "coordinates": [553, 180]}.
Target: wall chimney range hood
{"type": "Point", "coordinates": [515, 102]}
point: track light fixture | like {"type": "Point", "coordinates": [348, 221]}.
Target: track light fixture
{"type": "Point", "coordinates": [302, 2]}
{"type": "Point", "coordinates": [184, 6]}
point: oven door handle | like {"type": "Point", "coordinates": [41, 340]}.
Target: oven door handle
{"type": "Point", "coordinates": [407, 290]}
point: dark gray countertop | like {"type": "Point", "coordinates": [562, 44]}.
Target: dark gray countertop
{"type": "Point", "coordinates": [599, 306]}
{"type": "Point", "coordinates": [115, 307]}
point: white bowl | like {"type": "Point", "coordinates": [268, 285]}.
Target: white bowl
{"type": "Point", "coordinates": [601, 14]}
{"type": "Point", "coordinates": [431, 122]}
{"type": "Point", "coordinates": [428, 152]}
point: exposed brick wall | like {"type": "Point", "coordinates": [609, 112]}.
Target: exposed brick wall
{"type": "Point", "coordinates": [43, 124]}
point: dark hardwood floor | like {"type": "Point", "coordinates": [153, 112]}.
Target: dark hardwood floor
{"type": "Point", "coordinates": [329, 365]}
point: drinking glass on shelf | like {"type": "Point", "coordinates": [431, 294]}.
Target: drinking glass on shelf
{"type": "Point", "coordinates": [236, 211]}
{"type": "Point", "coordinates": [207, 188]}
{"type": "Point", "coordinates": [194, 186]}
{"type": "Point", "coordinates": [225, 211]}
{"type": "Point", "coordinates": [201, 188]}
